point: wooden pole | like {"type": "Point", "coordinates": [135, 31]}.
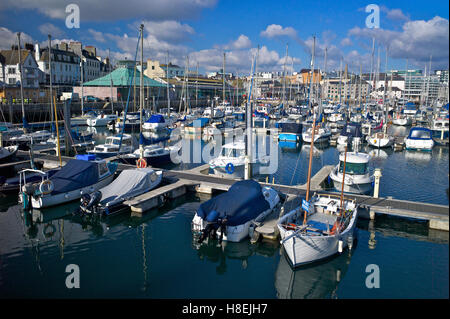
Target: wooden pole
{"type": "Point", "coordinates": [343, 179]}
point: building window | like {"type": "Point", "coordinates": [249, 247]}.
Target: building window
{"type": "Point", "coordinates": [11, 70]}
{"type": "Point", "coordinates": [12, 81]}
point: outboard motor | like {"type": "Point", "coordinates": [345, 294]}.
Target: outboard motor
{"type": "Point", "coordinates": [89, 202]}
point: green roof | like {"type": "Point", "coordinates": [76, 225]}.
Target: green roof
{"type": "Point", "coordinates": [124, 77]}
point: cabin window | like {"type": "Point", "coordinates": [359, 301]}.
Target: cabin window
{"type": "Point", "coordinates": [353, 168]}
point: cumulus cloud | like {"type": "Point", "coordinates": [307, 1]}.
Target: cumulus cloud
{"type": "Point", "coordinates": [9, 38]}
{"type": "Point", "coordinates": [98, 36]}
{"type": "Point", "coordinates": [116, 9]}
{"type": "Point", "coordinates": [276, 30]}
{"type": "Point", "coordinates": [170, 31]}
{"type": "Point", "coordinates": [418, 40]}
{"type": "Point", "coordinates": [346, 42]}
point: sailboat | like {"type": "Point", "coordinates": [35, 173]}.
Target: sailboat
{"type": "Point", "coordinates": [322, 226]}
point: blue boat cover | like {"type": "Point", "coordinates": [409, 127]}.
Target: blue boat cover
{"type": "Point", "coordinates": [243, 202]}
{"type": "Point", "coordinates": [156, 118]}
{"type": "Point", "coordinates": [74, 175]}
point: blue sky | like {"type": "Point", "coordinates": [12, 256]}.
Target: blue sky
{"type": "Point", "coordinates": [204, 29]}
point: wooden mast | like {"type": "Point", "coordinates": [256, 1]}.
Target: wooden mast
{"type": "Point", "coordinates": [313, 130]}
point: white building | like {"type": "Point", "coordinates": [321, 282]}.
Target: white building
{"type": "Point", "coordinates": [65, 66]}
{"type": "Point", "coordinates": [10, 71]}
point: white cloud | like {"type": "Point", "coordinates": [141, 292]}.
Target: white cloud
{"type": "Point", "coordinates": [116, 9]}
{"type": "Point", "coordinates": [394, 14]}
{"type": "Point", "coordinates": [9, 38]}
{"type": "Point", "coordinates": [170, 31]}
{"type": "Point", "coordinates": [346, 42]}
{"type": "Point", "coordinates": [276, 30]}
{"type": "Point", "coordinates": [98, 36]}
{"type": "Point", "coordinates": [418, 40]}
{"type": "Point", "coordinates": [242, 42]}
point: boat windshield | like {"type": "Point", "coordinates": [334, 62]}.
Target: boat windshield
{"type": "Point", "coordinates": [353, 168]}
{"type": "Point", "coordinates": [233, 152]}
{"type": "Point", "coordinates": [112, 141]}
{"type": "Point", "coordinates": [420, 134]}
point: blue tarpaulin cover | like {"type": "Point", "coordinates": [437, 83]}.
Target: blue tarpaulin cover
{"type": "Point", "coordinates": [156, 118]}
{"type": "Point", "coordinates": [243, 202]}
{"type": "Point", "coordinates": [74, 175]}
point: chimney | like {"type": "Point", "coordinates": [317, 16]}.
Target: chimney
{"type": "Point", "coordinates": [37, 52]}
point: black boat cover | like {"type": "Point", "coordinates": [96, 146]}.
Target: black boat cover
{"type": "Point", "coordinates": [291, 127]}
{"type": "Point", "coordinates": [243, 202]}
{"type": "Point", "coordinates": [74, 175]}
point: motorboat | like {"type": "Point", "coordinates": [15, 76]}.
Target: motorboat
{"type": "Point", "coordinates": [154, 155]}
{"type": "Point", "coordinates": [101, 120]}
{"type": "Point", "coordinates": [322, 134]}
{"type": "Point", "coordinates": [218, 113]}
{"type": "Point", "coordinates": [111, 146]}
{"type": "Point", "coordinates": [83, 119]}
{"type": "Point", "coordinates": [401, 119]}
{"type": "Point", "coordinates": [78, 176]}
{"type": "Point", "coordinates": [110, 199]}
{"type": "Point", "coordinates": [229, 216]}
{"type": "Point", "coordinates": [326, 230]}
{"type": "Point", "coordinates": [7, 153]}
{"type": "Point", "coordinates": [231, 161]}
{"type": "Point", "coordinates": [440, 127]}
{"type": "Point", "coordinates": [358, 179]}
{"type": "Point", "coordinates": [419, 138]}
{"type": "Point", "coordinates": [156, 122]}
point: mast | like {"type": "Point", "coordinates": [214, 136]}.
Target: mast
{"type": "Point", "coordinates": [111, 86]}
{"type": "Point", "coordinates": [168, 91]}
{"type": "Point", "coordinates": [82, 87]}
{"type": "Point", "coordinates": [325, 72]}
{"type": "Point", "coordinates": [343, 179]}
{"type": "Point", "coordinates": [50, 73]}
{"type": "Point", "coordinates": [196, 88]}
{"type": "Point", "coordinates": [312, 135]}
{"type": "Point", "coordinates": [141, 91]}
{"type": "Point", "coordinates": [340, 82]}
{"type": "Point", "coordinates": [21, 83]}
{"type": "Point", "coordinates": [384, 92]}
{"type": "Point", "coordinates": [371, 67]}
{"type": "Point", "coordinates": [249, 128]}
{"type": "Point", "coordinates": [223, 80]}
{"type": "Point", "coordinates": [284, 77]}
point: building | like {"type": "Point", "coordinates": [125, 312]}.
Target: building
{"type": "Point", "coordinates": [10, 70]}
{"type": "Point", "coordinates": [422, 88]}
{"type": "Point", "coordinates": [346, 90]}
{"type": "Point", "coordinates": [156, 70]}
{"type": "Point", "coordinates": [304, 77]}
{"type": "Point", "coordinates": [65, 65]}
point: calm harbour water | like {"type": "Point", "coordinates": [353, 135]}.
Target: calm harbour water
{"type": "Point", "coordinates": [154, 256]}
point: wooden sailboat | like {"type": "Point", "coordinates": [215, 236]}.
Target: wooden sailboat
{"type": "Point", "coordinates": [322, 227]}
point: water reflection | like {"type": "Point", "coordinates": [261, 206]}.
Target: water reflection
{"type": "Point", "coordinates": [319, 280]}
{"type": "Point", "coordinates": [216, 253]}
{"type": "Point", "coordinates": [418, 156]}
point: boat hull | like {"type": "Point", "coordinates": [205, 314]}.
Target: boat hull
{"type": "Point", "coordinates": [57, 199]}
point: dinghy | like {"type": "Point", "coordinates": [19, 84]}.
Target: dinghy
{"type": "Point", "coordinates": [228, 216]}
{"type": "Point", "coordinates": [7, 153]}
{"type": "Point", "coordinates": [110, 199]}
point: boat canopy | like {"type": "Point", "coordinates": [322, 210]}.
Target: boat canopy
{"type": "Point", "coordinates": [419, 133]}
{"type": "Point", "coordinates": [243, 202]}
{"type": "Point", "coordinates": [156, 118]}
{"type": "Point", "coordinates": [130, 183]}
{"type": "Point", "coordinates": [74, 175]}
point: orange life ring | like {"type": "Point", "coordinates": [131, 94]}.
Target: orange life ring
{"type": "Point", "coordinates": [141, 163]}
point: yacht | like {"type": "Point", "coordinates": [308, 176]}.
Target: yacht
{"type": "Point", "coordinates": [111, 146]}
{"type": "Point", "coordinates": [419, 138]}
{"type": "Point", "coordinates": [322, 134]}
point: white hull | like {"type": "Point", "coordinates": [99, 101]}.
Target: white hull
{"type": "Point", "coordinates": [425, 145]}
{"type": "Point", "coordinates": [380, 142]}
{"type": "Point", "coordinates": [52, 200]}
{"type": "Point", "coordinates": [303, 249]}
{"type": "Point", "coordinates": [154, 126]}
{"type": "Point", "coordinates": [402, 121]}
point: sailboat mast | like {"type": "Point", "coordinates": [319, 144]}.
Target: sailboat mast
{"type": "Point", "coordinates": [21, 82]}
{"type": "Point", "coordinates": [168, 91]}
{"type": "Point", "coordinates": [384, 92]}
{"type": "Point", "coordinates": [50, 73]}
{"type": "Point", "coordinates": [111, 82]}
{"type": "Point", "coordinates": [284, 76]}
{"type": "Point", "coordinates": [313, 131]}
{"type": "Point", "coordinates": [82, 87]}
{"type": "Point", "coordinates": [343, 179]}
{"type": "Point", "coordinates": [223, 80]}
{"type": "Point", "coordinates": [141, 91]}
